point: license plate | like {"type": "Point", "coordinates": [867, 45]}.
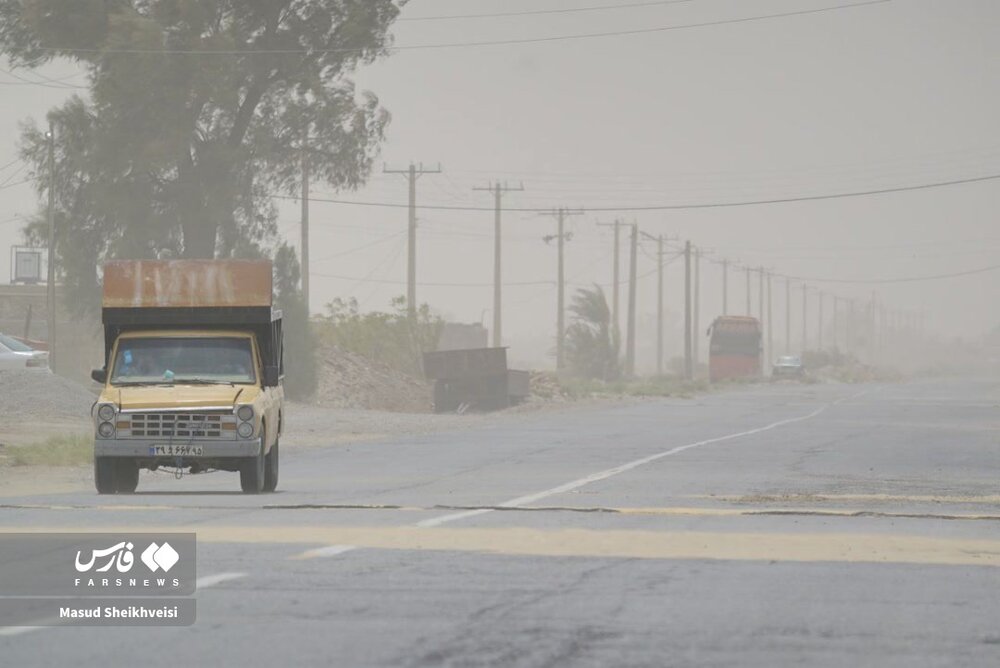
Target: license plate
{"type": "Point", "coordinates": [175, 450]}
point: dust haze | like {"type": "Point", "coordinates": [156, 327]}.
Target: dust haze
{"type": "Point", "coordinates": [878, 97]}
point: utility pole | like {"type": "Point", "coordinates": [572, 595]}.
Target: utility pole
{"type": "Point", "coordinates": [561, 237]}
{"type": "Point", "coordinates": [659, 305]}
{"type": "Point", "coordinates": [50, 288]}
{"type": "Point", "coordinates": [770, 325]}
{"type": "Point", "coordinates": [304, 245]}
{"type": "Point", "coordinates": [819, 332]}
{"type": "Point", "coordinates": [659, 300]}
{"type": "Point", "coordinates": [697, 308]}
{"type": "Point", "coordinates": [498, 193]}
{"type": "Point", "coordinates": [849, 327]}
{"type": "Point", "coordinates": [725, 287]}
{"type": "Point", "coordinates": [760, 292]}
{"type": "Point", "coordinates": [788, 316]}
{"type": "Point", "coordinates": [412, 174]}
{"type": "Point", "coordinates": [615, 320]}
{"type": "Point", "coordinates": [630, 341]}
{"type": "Point", "coordinates": [748, 291]}
{"type": "Point", "coordinates": [836, 334]}
{"type": "Point", "coordinates": [688, 366]}
{"type": "Point", "coordinates": [805, 290]}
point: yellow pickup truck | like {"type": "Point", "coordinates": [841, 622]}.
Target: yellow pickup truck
{"type": "Point", "coordinates": [192, 374]}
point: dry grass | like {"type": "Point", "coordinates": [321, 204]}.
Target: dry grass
{"type": "Point", "coordinates": [64, 450]}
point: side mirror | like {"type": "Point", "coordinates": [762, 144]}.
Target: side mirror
{"type": "Point", "coordinates": [99, 376]}
{"type": "Point", "coordinates": [272, 376]}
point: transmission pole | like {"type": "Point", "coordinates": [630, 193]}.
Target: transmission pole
{"type": "Point", "coordinates": [659, 305]}
{"type": "Point", "coordinates": [498, 191]}
{"type": "Point", "coordinates": [748, 291]}
{"type": "Point", "coordinates": [788, 316]}
{"type": "Point", "coordinates": [770, 325]}
{"type": "Point", "coordinates": [819, 332]}
{"type": "Point", "coordinates": [630, 340]}
{"type": "Point", "coordinates": [688, 366]}
{"type": "Point", "coordinates": [412, 173]}
{"type": "Point", "coordinates": [50, 288]}
{"type": "Point", "coordinates": [615, 320]}
{"type": "Point", "coordinates": [760, 293]}
{"type": "Point", "coordinates": [836, 334]}
{"type": "Point", "coordinates": [561, 236]}
{"type": "Point", "coordinates": [725, 287]}
{"type": "Point", "coordinates": [659, 299]}
{"type": "Point", "coordinates": [304, 246]}
{"type": "Point", "coordinates": [697, 308]}
{"type": "Point", "coordinates": [805, 290]}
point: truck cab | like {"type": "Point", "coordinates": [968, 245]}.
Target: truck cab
{"type": "Point", "coordinates": [192, 374]}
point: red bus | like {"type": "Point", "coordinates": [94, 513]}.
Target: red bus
{"type": "Point", "coordinates": [735, 348]}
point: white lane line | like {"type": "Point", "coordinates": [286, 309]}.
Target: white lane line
{"type": "Point", "coordinates": [607, 473]}
{"type": "Point", "coordinates": [328, 551]}
{"type": "Point", "coordinates": [218, 578]}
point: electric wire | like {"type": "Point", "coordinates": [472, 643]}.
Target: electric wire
{"type": "Point", "coordinates": [453, 45]}
{"type": "Point", "coordinates": [674, 207]}
{"type": "Point", "coordinates": [536, 12]}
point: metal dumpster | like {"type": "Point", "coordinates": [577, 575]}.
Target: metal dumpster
{"type": "Point", "coordinates": [475, 378]}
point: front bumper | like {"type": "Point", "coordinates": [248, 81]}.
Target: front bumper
{"type": "Point", "coordinates": [141, 448]}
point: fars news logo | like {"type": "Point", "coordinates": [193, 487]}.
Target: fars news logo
{"type": "Point", "coordinates": [119, 560]}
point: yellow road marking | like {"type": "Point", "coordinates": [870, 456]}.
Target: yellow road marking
{"type": "Point", "coordinates": [674, 511]}
{"type": "Point", "coordinates": [770, 546]}
{"type": "Point", "coordinates": [791, 498]}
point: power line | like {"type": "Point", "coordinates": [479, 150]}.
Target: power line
{"type": "Point", "coordinates": [380, 240]}
{"type": "Point", "coordinates": [452, 45]}
{"type": "Point", "coordinates": [675, 207]}
{"type": "Point", "coordinates": [14, 161]}
{"type": "Point", "coordinates": [535, 12]}
{"type": "Point", "coordinates": [48, 83]}
{"type": "Point", "coordinates": [16, 183]}
{"type": "Point", "coordinates": [909, 279]}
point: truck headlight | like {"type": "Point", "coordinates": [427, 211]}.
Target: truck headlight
{"type": "Point", "coordinates": [245, 413]}
{"type": "Point", "coordinates": [106, 430]}
{"type": "Point", "coordinates": [106, 412]}
{"type": "Point", "coordinates": [245, 430]}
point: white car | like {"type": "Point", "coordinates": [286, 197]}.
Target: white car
{"type": "Point", "coordinates": [16, 355]}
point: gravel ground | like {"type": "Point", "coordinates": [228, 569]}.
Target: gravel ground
{"type": "Point", "coordinates": [42, 395]}
{"type": "Point", "coordinates": [349, 380]}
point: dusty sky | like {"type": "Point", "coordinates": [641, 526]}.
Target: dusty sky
{"type": "Point", "coordinates": [893, 94]}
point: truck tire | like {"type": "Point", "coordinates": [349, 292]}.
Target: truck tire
{"type": "Point", "coordinates": [252, 473]}
{"type": "Point", "coordinates": [105, 475]}
{"type": "Point", "coordinates": [115, 475]}
{"type": "Point", "coordinates": [271, 469]}
{"type": "Point", "coordinates": [126, 476]}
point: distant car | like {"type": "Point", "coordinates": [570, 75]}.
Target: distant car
{"type": "Point", "coordinates": [788, 366]}
{"type": "Point", "coordinates": [16, 355]}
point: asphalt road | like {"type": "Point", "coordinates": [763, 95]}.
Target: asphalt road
{"type": "Point", "coordinates": [820, 525]}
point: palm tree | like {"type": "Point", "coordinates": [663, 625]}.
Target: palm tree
{"type": "Point", "coordinates": [592, 344]}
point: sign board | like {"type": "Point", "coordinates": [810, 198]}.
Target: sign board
{"type": "Point", "coordinates": [27, 265]}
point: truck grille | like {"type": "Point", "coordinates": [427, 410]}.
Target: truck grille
{"type": "Point", "coordinates": [177, 425]}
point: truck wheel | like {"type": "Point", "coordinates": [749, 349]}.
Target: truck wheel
{"type": "Point", "coordinates": [126, 476]}
{"type": "Point", "coordinates": [252, 473]}
{"type": "Point", "coordinates": [271, 469]}
{"type": "Point", "coordinates": [105, 478]}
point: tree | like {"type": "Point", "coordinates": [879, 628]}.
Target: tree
{"type": "Point", "coordinates": [592, 347]}
{"type": "Point", "coordinates": [395, 338]}
{"type": "Point", "coordinates": [198, 112]}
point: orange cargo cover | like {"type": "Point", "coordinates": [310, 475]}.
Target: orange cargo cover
{"type": "Point", "coordinates": [186, 283]}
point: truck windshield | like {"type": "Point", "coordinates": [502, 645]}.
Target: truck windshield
{"type": "Point", "coordinates": [180, 360]}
